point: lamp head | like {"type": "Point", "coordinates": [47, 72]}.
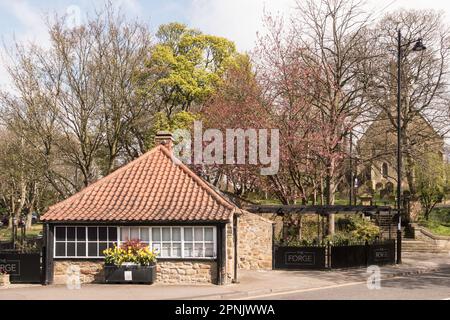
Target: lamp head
{"type": "Point", "coordinates": [418, 46]}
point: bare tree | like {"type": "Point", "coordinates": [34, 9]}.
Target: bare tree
{"type": "Point", "coordinates": [424, 106]}
{"type": "Point", "coordinates": [75, 103]}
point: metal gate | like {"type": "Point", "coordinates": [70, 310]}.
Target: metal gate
{"type": "Point", "coordinates": [334, 257]}
{"type": "Point", "coordinates": [299, 257]}
{"type": "Point", "coordinates": [23, 267]}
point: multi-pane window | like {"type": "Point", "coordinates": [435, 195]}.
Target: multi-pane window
{"type": "Point", "coordinates": [167, 240]}
{"type": "Point", "coordinates": [83, 242]}
{"type": "Point", "coordinates": [199, 242]}
{"type": "Point", "coordinates": [170, 242]}
{"type": "Point", "coordinates": [135, 233]}
{"type": "Point", "coordinates": [175, 242]}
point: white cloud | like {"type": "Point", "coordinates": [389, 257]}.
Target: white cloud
{"type": "Point", "coordinates": [32, 29]}
{"type": "Point", "coordinates": [237, 20]}
{"type": "Point", "coordinates": [130, 7]}
{"type": "Point", "coordinates": [31, 20]}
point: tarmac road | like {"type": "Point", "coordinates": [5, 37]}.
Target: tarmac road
{"type": "Point", "coordinates": [426, 286]}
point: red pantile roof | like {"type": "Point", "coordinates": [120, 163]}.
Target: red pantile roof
{"type": "Point", "coordinates": [151, 188]}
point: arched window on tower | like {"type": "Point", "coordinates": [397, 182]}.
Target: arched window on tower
{"type": "Point", "coordinates": [385, 170]}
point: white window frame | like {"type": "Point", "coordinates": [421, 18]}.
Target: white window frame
{"type": "Point", "coordinates": [182, 228]}
{"type": "Point", "coordinates": [85, 240]}
{"type": "Point", "coordinates": [119, 241]}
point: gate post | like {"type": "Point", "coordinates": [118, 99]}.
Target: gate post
{"type": "Point", "coordinates": [273, 246]}
{"type": "Point", "coordinates": [328, 255]}
{"type": "Point", "coordinates": [43, 265]}
{"type": "Point", "coordinates": [48, 261]}
{"type": "Point", "coordinates": [367, 248]}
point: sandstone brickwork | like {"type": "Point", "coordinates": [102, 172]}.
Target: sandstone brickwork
{"type": "Point", "coordinates": [89, 270]}
{"type": "Point", "coordinates": [255, 242]}
{"type": "Point", "coordinates": [186, 272]}
{"type": "Point", "coordinates": [168, 272]}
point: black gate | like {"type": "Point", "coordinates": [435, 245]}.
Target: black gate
{"type": "Point", "coordinates": [335, 257]}
{"type": "Point", "coordinates": [348, 256]}
{"type": "Point", "coordinates": [23, 267]}
{"type": "Point", "coordinates": [381, 253]}
{"type": "Point", "coordinates": [299, 257]}
{"type": "Point", "coordinates": [376, 253]}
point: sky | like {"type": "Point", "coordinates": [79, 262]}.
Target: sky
{"type": "Point", "coordinates": [237, 20]}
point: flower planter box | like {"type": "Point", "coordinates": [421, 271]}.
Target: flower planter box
{"type": "Point", "coordinates": [130, 274]}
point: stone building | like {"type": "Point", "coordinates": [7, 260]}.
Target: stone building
{"type": "Point", "coordinates": [201, 237]}
{"type": "Point", "coordinates": [377, 152]}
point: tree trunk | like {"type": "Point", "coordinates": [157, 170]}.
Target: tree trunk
{"type": "Point", "coordinates": [330, 201]}
{"type": "Point", "coordinates": [300, 225]}
{"type": "Point", "coordinates": [409, 172]}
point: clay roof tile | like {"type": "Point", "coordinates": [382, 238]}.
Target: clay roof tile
{"type": "Point", "coordinates": [150, 188]}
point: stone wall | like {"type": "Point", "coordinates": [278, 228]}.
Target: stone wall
{"type": "Point", "coordinates": [422, 233]}
{"type": "Point", "coordinates": [168, 272]}
{"type": "Point", "coordinates": [90, 270]}
{"type": "Point", "coordinates": [186, 272]}
{"type": "Point", "coordinates": [255, 242]}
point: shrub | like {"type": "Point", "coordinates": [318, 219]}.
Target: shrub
{"type": "Point", "coordinates": [355, 228]}
{"type": "Point", "coordinates": [364, 229]}
{"type": "Point", "coordinates": [300, 243]}
{"type": "Point", "coordinates": [342, 239]}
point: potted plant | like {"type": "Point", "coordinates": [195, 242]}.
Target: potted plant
{"type": "Point", "coordinates": [4, 279]}
{"type": "Point", "coordinates": [132, 262]}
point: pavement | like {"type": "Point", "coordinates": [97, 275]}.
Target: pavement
{"type": "Point", "coordinates": [253, 284]}
{"type": "Point", "coordinates": [433, 285]}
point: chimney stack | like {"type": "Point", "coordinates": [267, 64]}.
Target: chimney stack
{"type": "Point", "coordinates": [165, 138]}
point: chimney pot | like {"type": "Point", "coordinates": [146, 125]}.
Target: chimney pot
{"type": "Point", "coordinates": [164, 138]}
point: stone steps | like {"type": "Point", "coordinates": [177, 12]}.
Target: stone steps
{"type": "Point", "coordinates": [409, 245]}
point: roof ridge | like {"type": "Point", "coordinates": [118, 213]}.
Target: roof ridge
{"type": "Point", "coordinates": [103, 179]}
{"type": "Point", "coordinates": [218, 197]}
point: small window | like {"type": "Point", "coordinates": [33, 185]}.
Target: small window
{"type": "Point", "coordinates": [385, 170]}
{"type": "Point", "coordinates": [112, 232]}
{"type": "Point", "coordinates": [92, 233]}
{"type": "Point", "coordinates": [60, 234]}
{"type": "Point", "coordinates": [156, 234]}
{"type": "Point", "coordinates": [81, 234]}
{"type": "Point", "coordinates": [165, 234]}
{"type": "Point", "coordinates": [188, 234]}
{"type": "Point", "coordinates": [60, 249]}
{"type": "Point", "coordinates": [124, 234]}
{"type": "Point", "coordinates": [71, 234]}
{"type": "Point", "coordinates": [145, 236]}
{"type": "Point", "coordinates": [103, 234]}
{"type": "Point", "coordinates": [134, 233]}
{"type": "Point", "coordinates": [92, 249]}
{"type": "Point", "coordinates": [71, 249]}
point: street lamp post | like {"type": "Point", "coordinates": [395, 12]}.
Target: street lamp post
{"type": "Point", "coordinates": [418, 46]}
{"type": "Point", "coordinates": [350, 198]}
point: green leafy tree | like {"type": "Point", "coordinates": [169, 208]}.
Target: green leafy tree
{"type": "Point", "coordinates": [184, 68]}
{"type": "Point", "coordinates": [161, 122]}
{"type": "Point", "coordinates": [431, 181]}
